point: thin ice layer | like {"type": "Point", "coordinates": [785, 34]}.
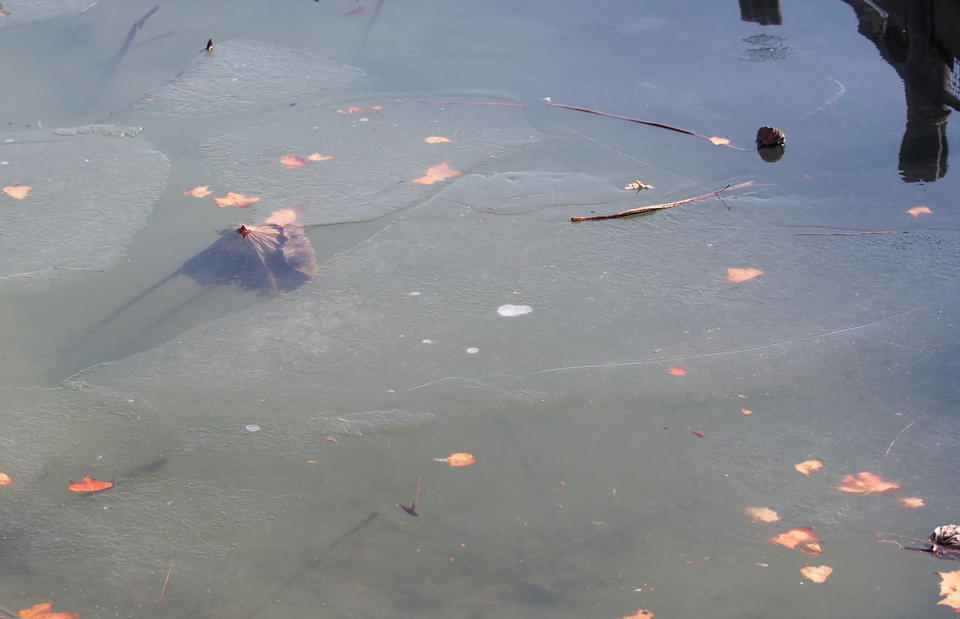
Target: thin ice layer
{"type": "Point", "coordinates": [90, 195]}
{"type": "Point", "coordinates": [17, 12]}
{"type": "Point", "coordinates": [369, 158]}
{"type": "Point", "coordinates": [241, 75]}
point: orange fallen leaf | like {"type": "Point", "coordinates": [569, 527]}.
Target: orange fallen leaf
{"type": "Point", "coordinates": [283, 217]}
{"type": "Point", "coordinates": [235, 199]}
{"type": "Point", "coordinates": [201, 191]}
{"type": "Point", "coordinates": [746, 411]}
{"type": "Point", "coordinates": [436, 139]}
{"type": "Point", "coordinates": [866, 483]}
{"type": "Point", "coordinates": [762, 514]}
{"type": "Point", "coordinates": [641, 614]}
{"type": "Point", "coordinates": [17, 192]}
{"type": "Point", "coordinates": [917, 211]}
{"type": "Point", "coordinates": [292, 161]}
{"type": "Point", "coordinates": [737, 275]}
{"type": "Point", "coordinates": [5, 479]}
{"type": "Point", "coordinates": [950, 588]}
{"type": "Point", "coordinates": [441, 171]}
{"type": "Point", "coordinates": [816, 573]}
{"type": "Point", "coordinates": [719, 141]}
{"type": "Point", "coordinates": [319, 157]}
{"type": "Point", "coordinates": [912, 502]}
{"type": "Point", "coordinates": [801, 538]}
{"type": "Point", "coordinates": [460, 458]}
{"type": "Point", "coordinates": [43, 610]}
{"type": "Point", "coordinates": [89, 484]}
{"type": "Point", "coordinates": [808, 466]}
{"type": "Point", "coordinates": [678, 370]}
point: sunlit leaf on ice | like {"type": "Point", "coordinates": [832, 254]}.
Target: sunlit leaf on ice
{"type": "Point", "coordinates": [807, 467]}
{"type": "Point", "coordinates": [917, 211]}
{"type": "Point", "coordinates": [800, 538]}
{"type": "Point", "coordinates": [292, 161]}
{"type": "Point", "coordinates": [17, 192]}
{"type": "Point", "coordinates": [950, 589]}
{"type": "Point", "coordinates": [201, 191]}
{"type": "Point", "coordinates": [89, 484]}
{"type": "Point", "coordinates": [719, 141]}
{"type": "Point", "coordinates": [641, 614]}
{"type": "Point", "coordinates": [867, 483]}
{"type": "Point", "coordinates": [816, 573]}
{"type": "Point", "coordinates": [356, 109]}
{"type": "Point", "coordinates": [242, 75]}
{"type": "Point", "coordinates": [746, 411]}
{"type": "Point", "coordinates": [436, 139]}
{"type": "Point", "coordinates": [236, 199]}
{"type": "Point", "coordinates": [5, 479]}
{"type": "Point", "coordinates": [96, 195]}
{"type": "Point", "coordinates": [762, 514]}
{"type": "Point", "coordinates": [44, 610]}
{"type": "Point", "coordinates": [369, 180]}
{"type": "Point", "coordinates": [738, 275]}
{"type": "Point", "coordinates": [436, 173]}
{"type": "Point", "coordinates": [677, 370]}
{"type": "Point", "coordinates": [912, 502]}
{"type": "Point", "coordinates": [460, 458]}
{"type": "Point", "coordinates": [16, 12]}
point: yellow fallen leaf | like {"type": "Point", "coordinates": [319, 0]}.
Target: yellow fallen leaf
{"type": "Point", "coordinates": [737, 275]}
{"type": "Point", "coordinates": [436, 173]}
{"type": "Point", "coordinates": [801, 538]}
{"type": "Point", "coordinates": [292, 161]}
{"type": "Point", "coordinates": [950, 588]}
{"type": "Point", "coordinates": [912, 502]}
{"type": "Point", "coordinates": [235, 199]}
{"type": "Point", "coordinates": [917, 211]}
{"type": "Point", "coordinates": [817, 573]}
{"type": "Point", "coordinates": [746, 411]}
{"type": "Point", "coordinates": [319, 157]}
{"type": "Point", "coordinates": [719, 141]}
{"type": "Point", "coordinates": [867, 483]}
{"type": "Point", "coordinates": [808, 466]}
{"type": "Point", "coordinates": [5, 479]}
{"type": "Point", "coordinates": [17, 192]}
{"type": "Point", "coordinates": [460, 458]}
{"type": "Point", "coordinates": [198, 192]}
{"type": "Point", "coordinates": [436, 139]}
{"type": "Point", "coordinates": [762, 514]}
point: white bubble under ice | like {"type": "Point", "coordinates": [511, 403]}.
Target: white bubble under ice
{"type": "Point", "coordinates": [514, 310]}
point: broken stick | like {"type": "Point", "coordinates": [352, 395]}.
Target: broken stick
{"type": "Point", "coordinates": [660, 207]}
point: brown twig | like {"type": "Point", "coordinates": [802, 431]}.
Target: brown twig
{"type": "Point", "coordinates": [166, 579]}
{"type": "Point", "coordinates": [899, 434]}
{"type": "Point", "coordinates": [851, 233]}
{"type": "Point", "coordinates": [660, 207]}
{"type": "Point", "coordinates": [643, 122]}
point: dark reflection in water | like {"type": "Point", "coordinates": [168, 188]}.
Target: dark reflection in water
{"type": "Point", "coordinates": [921, 40]}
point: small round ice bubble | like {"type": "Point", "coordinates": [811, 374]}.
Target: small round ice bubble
{"type": "Point", "coordinates": [514, 310]}
{"type": "Point", "coordinates": [473, 350]}
{"type": "Point", "coordinates": [253, 427]}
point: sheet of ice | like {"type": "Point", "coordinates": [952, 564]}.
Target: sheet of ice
{"type": "Point", "coordinates": [90, 195]}
{"type": "Point", "coordinates": [241, 75]}
{"type": "Point", "coordinates": [371, 157]}
{"type": "Point", "coordinates": [17, 12]}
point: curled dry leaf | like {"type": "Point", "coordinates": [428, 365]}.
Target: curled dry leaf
{"type": "Point", "coordinates": [44, 610]}
{"type": "Point", "coordinates": [738, 275]}
{"type": "Point", "coordinates": [679, 370]}
{"type": "Point", "coordinates": [201, 191]}
{"type": "Point", "coordinates": [917, 211]}
{"type": "Point", "coordinates": [808, 466]}
{"type": "Point", "coordinates": [17, 192]}
{"type": "Point", "coordinates": [460, 458]}
{"type": "Point", "coordinates": [641, 614]}
{"type": "Point", "coordinates": [801, 538]}
{"type": "Point", "coordinates": [436, 139]}
{"type": "Point", "coordinates": [235, 199]}
{"type": "Point", "coordinates": [950, 589]}
{"type": "Point", "coordinates": [912, 502]}
{"type": "Point", "coordinates": [5, 479]}
{"type": "Point", "coordinates": [762, 514]}
{"type": "Point", "coordinates": [89, 484]}
{"type": "Point", "coordinates": [436, 173]}
{"type": "Point", "coordinates": [866, 483]}
{"type": "Point", "coordinates": [816, 573]}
